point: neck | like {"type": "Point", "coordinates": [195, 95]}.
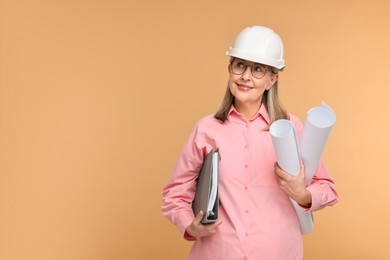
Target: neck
{"type": "Point", "coordinates": [247, 110]}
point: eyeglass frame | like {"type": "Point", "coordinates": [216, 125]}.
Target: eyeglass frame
{"type": "Point", "coordinates": [251, 66]}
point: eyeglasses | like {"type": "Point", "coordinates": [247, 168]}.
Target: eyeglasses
{"type": "Point", "coordinates": [238, 67]}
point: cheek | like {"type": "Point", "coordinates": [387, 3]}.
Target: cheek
{"type": "Point", "coordinates": [261, 87]}
{"type": "Point", "coordinates": [231, 83]}
{"type": "Point", "coordinates": [261, 84]}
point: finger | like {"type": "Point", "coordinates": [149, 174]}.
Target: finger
{"type": "Point", "coordinates": [198, 217]}
{"type": "Point", "coordinates": [276, 166]}
{"type": "Point", "coordinates": [281, 173]}
{"type": "Point", "coordinates": [213, 227]}
{"type": "Point", "coordinates": [277, 169]}
{"type": "Point", "coordinates": [278, 177]}
{"type": "Point", "coordinates": [302, 169]}
{"type": "Point", "coordinates": [217, 223]}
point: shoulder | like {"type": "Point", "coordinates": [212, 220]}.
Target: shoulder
{"type": "Point", "coordinates": [208, 121]}
{"type": "Point", "coordinates": [205, 133]}
{"type": "Point", "coordinates": [208, 126]}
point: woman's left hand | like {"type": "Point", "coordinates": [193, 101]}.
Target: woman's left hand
{"type": "Point", "coordinates": [294, 186]}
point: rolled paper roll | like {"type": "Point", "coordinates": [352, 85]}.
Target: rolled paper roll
{"type": "Point", "coordinates": [326, 106]}
{"type": "Point", "coordinates": [285, 143]}
{"type": "Point", "coordinates": [315, 133]}
{"type": "Point", "coordinates": [305, 218]}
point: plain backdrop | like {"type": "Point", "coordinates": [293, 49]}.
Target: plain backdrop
{"type": "Point", "coordinates": [98, 97]}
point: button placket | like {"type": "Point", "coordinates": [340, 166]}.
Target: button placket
{"type": "Point", "coordinates": [246, 144]}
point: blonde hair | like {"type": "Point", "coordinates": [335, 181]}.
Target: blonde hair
{"type": "Point", "coordinates": [270, 100]}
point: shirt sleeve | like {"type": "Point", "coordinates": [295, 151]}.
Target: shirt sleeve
{"type": "Point", "coordinates": [179, 191]}
{"type": "Point", "coordinates": [322, 187]}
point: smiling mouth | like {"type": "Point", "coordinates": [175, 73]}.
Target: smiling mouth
{"type": "Point", "coordinates": [244, 87]}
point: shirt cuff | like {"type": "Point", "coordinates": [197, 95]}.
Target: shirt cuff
{"type": "Point", "coordinates": [188, 237]}
{"type": "Point", "coordinates": [315, 199]}
{"type": "Point", "coordinates": [182, 221]}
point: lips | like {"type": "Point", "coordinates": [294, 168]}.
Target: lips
{"type": "Point", "coordinates": [244, 87]}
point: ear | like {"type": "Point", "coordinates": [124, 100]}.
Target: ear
{"type": "Point", "coordinates": [228, 67]}
{"type": "Point", "coordinates": [273, 81]}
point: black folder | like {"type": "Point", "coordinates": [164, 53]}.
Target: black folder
{"type": "Point", "coordinates": [207, 189]}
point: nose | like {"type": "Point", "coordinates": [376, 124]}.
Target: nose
{"type": "Point", "coordinates": [247, 73]}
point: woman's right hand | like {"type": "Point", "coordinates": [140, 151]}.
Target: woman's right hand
{"type": "Point", "coordinates": [197, 229]}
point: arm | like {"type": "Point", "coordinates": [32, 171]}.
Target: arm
{"type": "Point", "coordinates": [320, 193]}
{"type": "Point", "coordinates": [179, 192]}
{"type": "Point", "coordinates": [322, 189]}
{"type": "Point", "coordinates": [197, 229]}
{"type": "Point", "coordinates": [294, 186]}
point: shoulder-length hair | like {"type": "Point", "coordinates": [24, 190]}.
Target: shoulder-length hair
{"type": "Point", "coordinates": [270, 100]}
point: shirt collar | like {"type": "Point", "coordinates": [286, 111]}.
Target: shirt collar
{"type": "Point", "coordinates": [262, 113]}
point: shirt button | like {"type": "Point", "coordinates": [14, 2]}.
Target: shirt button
{"type": "Point", "coordinates": [246, 165]}
{"type": "Point", "coordinates": [246, 146]}
{"type": "Point", "coordinates": [246, 187]}
{"type": "Point", "coordinates": [246, 211]}
{"type": "Point", "coordinates": [246, 234]}
{"type": "Point", "coordinates": [245, 258]}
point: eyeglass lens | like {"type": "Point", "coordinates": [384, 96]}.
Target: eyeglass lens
{"type": "Point", "coordinates": [239, 67]}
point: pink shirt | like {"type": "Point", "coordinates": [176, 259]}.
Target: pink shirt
{"type": "Point", "coordinates": [258, 219]}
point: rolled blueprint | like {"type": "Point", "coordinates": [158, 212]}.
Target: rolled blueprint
{"type": "Point", "coordinates": [315, 133]}
{"type": "Point", "coordinates": [285, 143]}
{"type": "Point", "coordinates": [284, 139]}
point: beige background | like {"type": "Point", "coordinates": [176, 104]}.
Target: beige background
{"type": "Point", "coordinates": [98, 97]}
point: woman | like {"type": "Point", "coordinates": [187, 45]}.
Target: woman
{"type": "Point", "coordinates": [256, 217]}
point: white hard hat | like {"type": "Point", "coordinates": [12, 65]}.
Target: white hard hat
{"type": "Point", "coordinates": [259, 44]}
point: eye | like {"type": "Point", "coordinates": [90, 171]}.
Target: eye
{"type": "Point", "coordinates": [240, 64]}
{"type": "Point", "coordinates": [258, 68]}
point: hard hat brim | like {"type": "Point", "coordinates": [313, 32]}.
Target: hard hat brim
{"type": "Point", "coordinates": [278, 64]}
